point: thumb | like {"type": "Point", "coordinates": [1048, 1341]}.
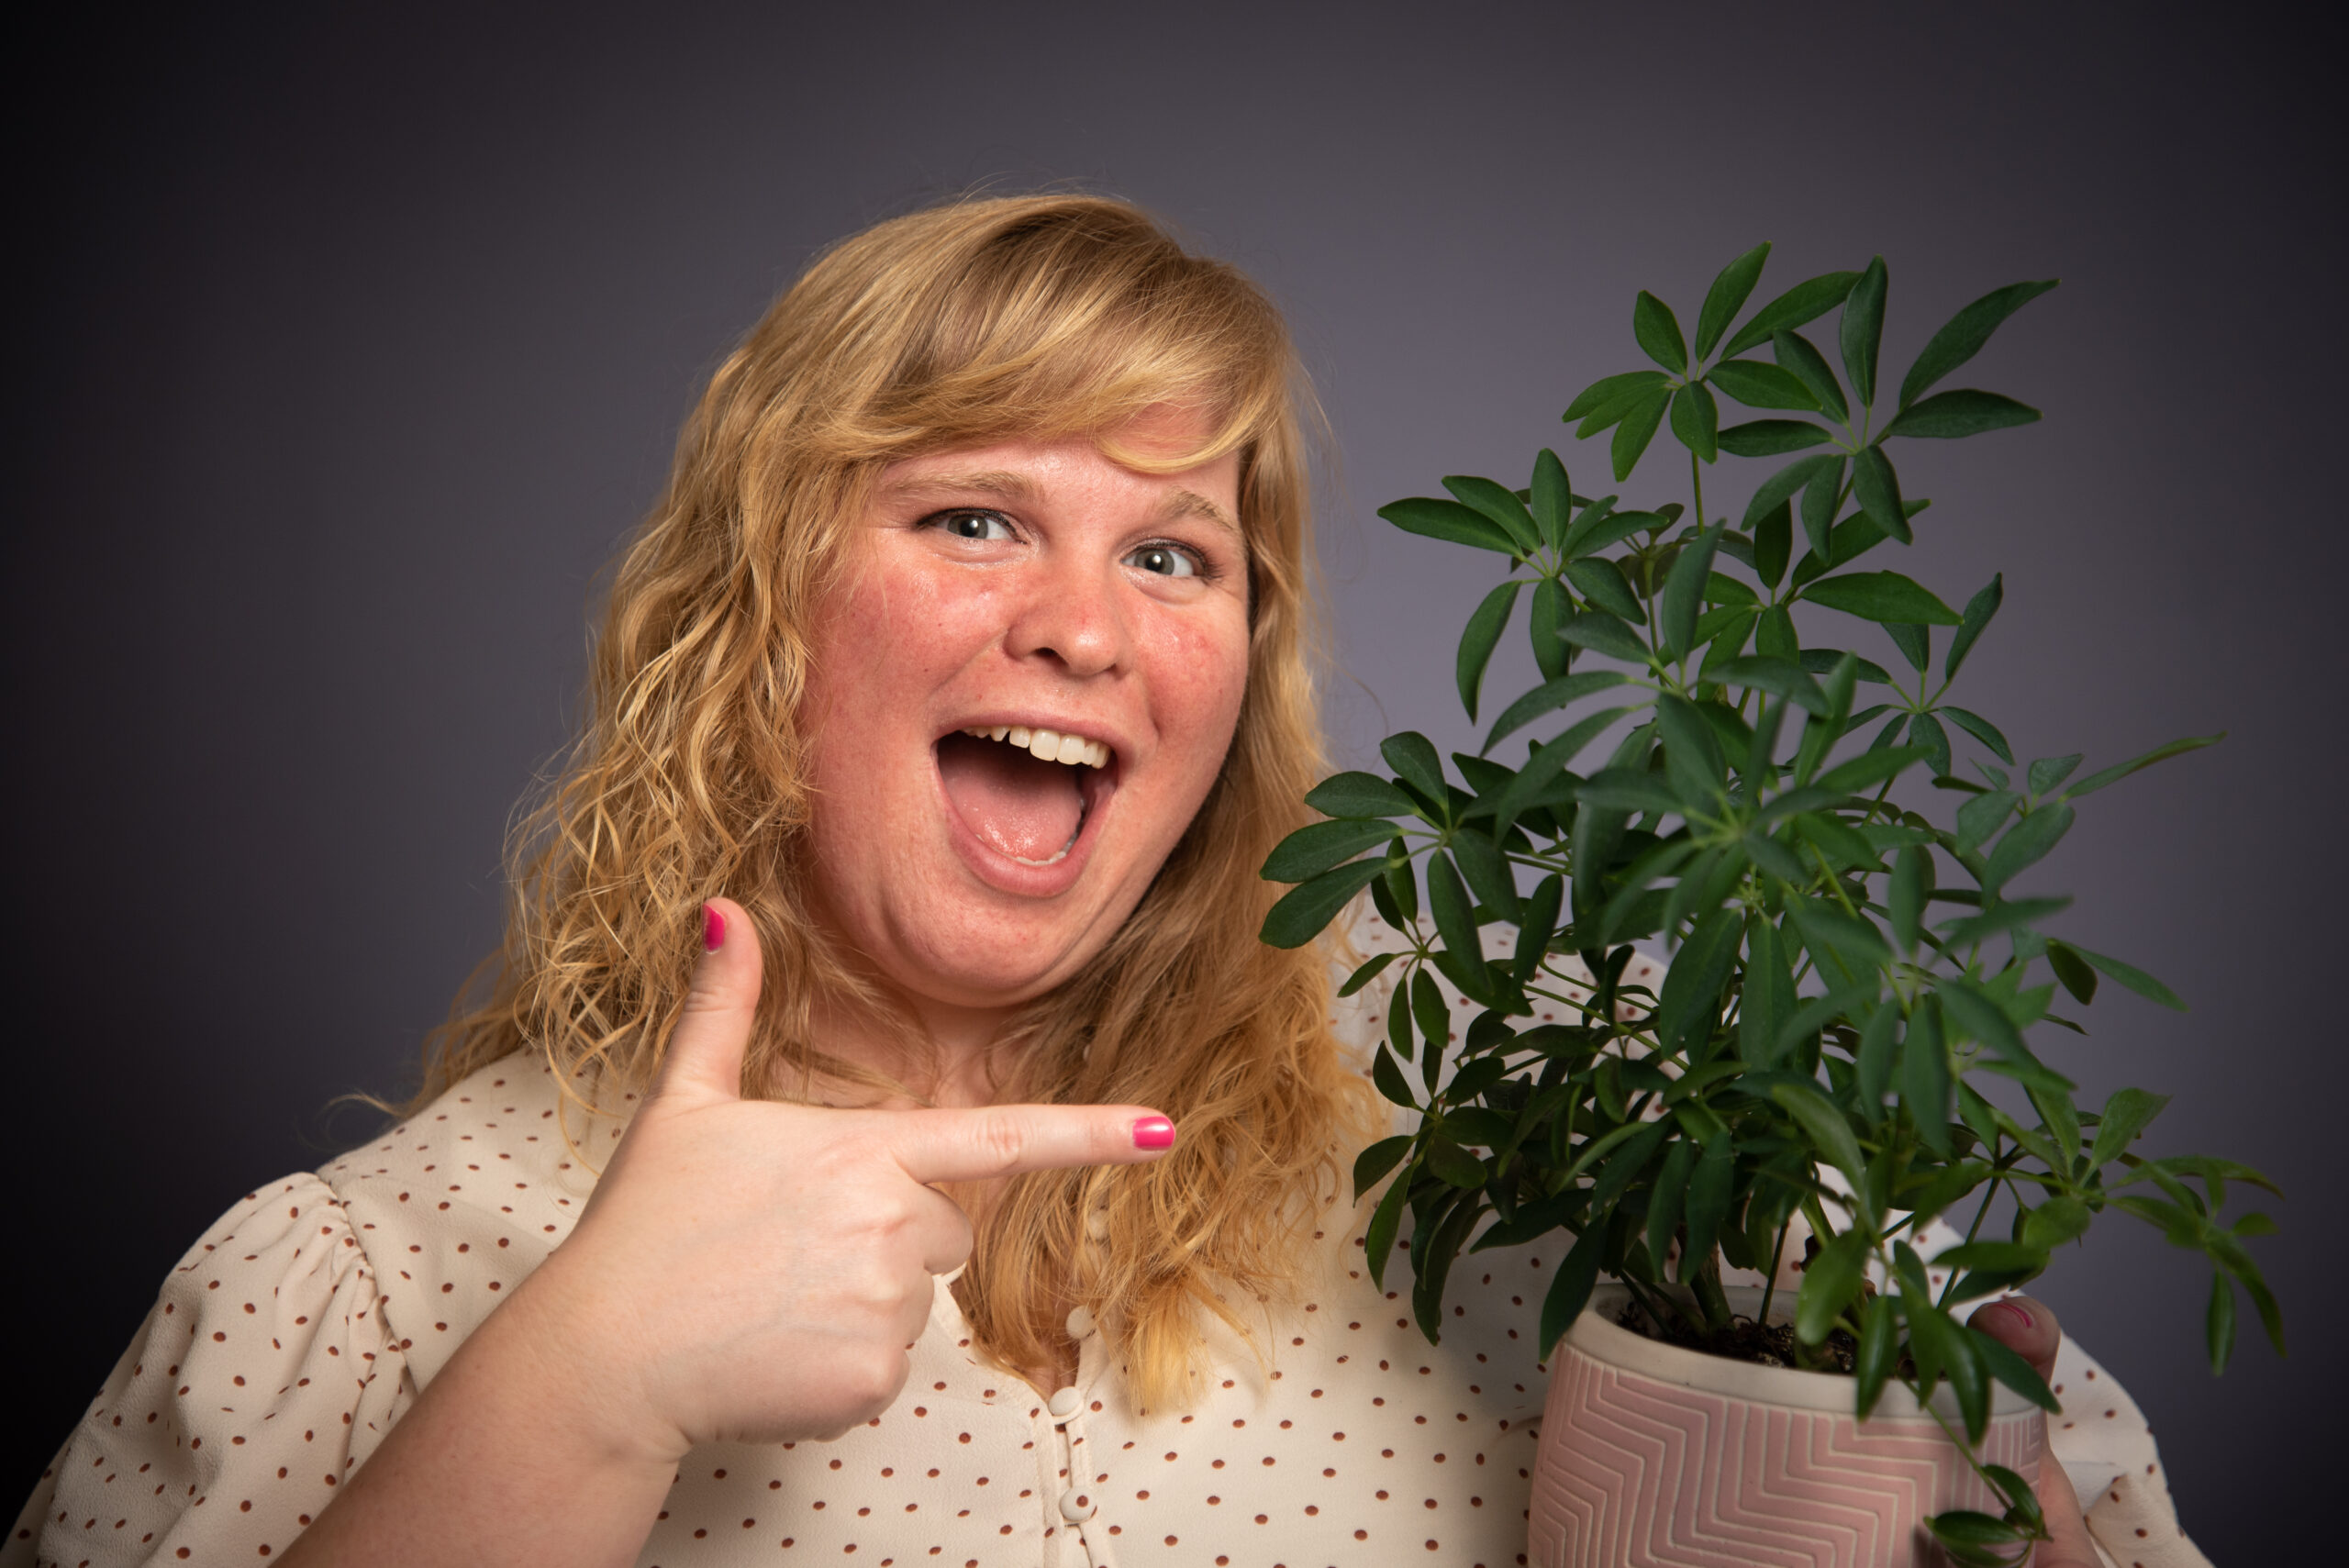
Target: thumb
{"type": "Point", "coordinates": [704, 1062]}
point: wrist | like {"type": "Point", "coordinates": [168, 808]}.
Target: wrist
{"type": "Point", "coordinates": [560, 1342]}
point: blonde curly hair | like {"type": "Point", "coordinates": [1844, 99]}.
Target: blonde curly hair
{"type": "Point", "coordinates": [1037, 316]}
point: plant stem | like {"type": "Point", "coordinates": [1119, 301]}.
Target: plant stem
{"type": "Point", "coordinates": [1770, 1281]}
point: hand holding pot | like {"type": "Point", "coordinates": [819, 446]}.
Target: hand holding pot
{"type": "Point", "coordinates": [2028, 1328]}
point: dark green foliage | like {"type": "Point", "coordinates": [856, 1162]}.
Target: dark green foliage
{"type": "Point", "coordinates": [1853, 944]}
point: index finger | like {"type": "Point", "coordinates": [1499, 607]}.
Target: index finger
{"type": "Point", "coordinates": [971, 1145]}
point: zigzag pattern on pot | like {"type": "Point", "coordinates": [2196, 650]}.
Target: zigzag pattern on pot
{"type": "Point", "coordinates": [1649, 1474]}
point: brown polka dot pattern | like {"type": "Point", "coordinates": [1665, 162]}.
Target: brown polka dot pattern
{"type": "Point", "coordinates": [1355, 1442]}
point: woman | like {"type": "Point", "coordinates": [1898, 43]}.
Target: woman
{"type": "Point", "coordinates": [901, 890]}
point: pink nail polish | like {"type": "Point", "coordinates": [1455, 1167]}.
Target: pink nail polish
{"type": "Point", "coordinates": [1153, 1132]}
{"type": "Point", "coordinates": [713, 928]}
{"type": "Point", "coordinates": [2015, 1308]}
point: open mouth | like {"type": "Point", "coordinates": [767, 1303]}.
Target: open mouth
{"type": "Point", "coordinates": [1023, 792]}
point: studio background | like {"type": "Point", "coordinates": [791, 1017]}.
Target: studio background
{"type": "Point", "coordinates": [346, 350]}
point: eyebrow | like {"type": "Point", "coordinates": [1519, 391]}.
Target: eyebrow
{"type": "Point", "coordinates": [1018, 487]}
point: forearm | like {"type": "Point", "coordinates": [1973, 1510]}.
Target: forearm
{"type": "Point", "coordinates": [508, 1457]}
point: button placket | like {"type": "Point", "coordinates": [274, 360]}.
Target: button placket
{"type": "Point", "coordinates": [1080, 1498]}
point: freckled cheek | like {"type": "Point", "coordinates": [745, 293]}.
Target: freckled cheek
{"type": "Point", "coordinates": [1198, 678]}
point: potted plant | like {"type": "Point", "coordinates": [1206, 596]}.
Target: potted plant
{"type": "Point", "coordinates": [1840, 1051]}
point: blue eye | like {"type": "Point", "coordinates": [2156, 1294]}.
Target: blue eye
{"type": "Point", "coordinates": [1164, 561]}
{"type": "Point", "coordinates": [971, 524]}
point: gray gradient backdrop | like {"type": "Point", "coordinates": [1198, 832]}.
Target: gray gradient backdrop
{"type": "Point", "coordinates": [350, 350]}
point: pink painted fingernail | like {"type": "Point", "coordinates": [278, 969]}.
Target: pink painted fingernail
{"type": "Point", "coordinates": [1153, 1132]}
{"type": "Point", "coordinates": [2017, 1310]}
{"type": "Point", "coordinates": [713, 928]}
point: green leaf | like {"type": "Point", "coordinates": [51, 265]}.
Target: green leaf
{"type": "Point", "coordinates": [1773, 545]}
{"type": "Point", "coordinates": [1448, 905]}
{"type": "Point", "coordinates": [1926, 732]}
{"type": "Point", "coordinates": [1448, 520]}
{"type": "Point", "coordinates": [1774, 637]}
{"type": "Point", "coordinates": [1547, 763]}
{"type": "Point", "coordinates": [2057, 1221]}
{"type": "Point", "coordinates": [1373, 1164]}
{"type": "Point", "coordinates": [1710, 1190]}
{"type": "Point", "coordinates": [1540, 923]}
{"type": "Point", "coordinates": [1638, 428]}
{"type": "Point", "coordinates": [2114, 775]}
{"type": "Point", "coordinates": [1310, 850]}
{"type": "Point", "coordinates": [1454, 1163]}
{"type": "Point", "coordinates": [1476, 642]}
{"type": "Point", "coordinates": [1429, 1011]}
{"type": "Point", "coordinates": [1982, 1017]}
{"type": "Point", "coordinates": [1762, 437]}
{"type": "Point", "coordinates": [1872, 767]}
{"type": "Point", "coordinates": [1603, 633]}
{"type": "Point", "coordinates": [1885, 596]}
{"type": "Point", "coordinates": [1499, 504]}
{"type": "Point", "coordinates": [2077, 973]}
{"type": "Point", "coordinates": [2026, 844]}
{"type": "Point", "coordinates": [1828, 1286]}
{"type": "Point", "coordinates": [1570, 1288]}
{"type": "Point", "coordinates": [1878, 1055]}
{"type": "Point", "coordinates": [1879, 1350]}
{"type": "Point", "coordinates": [1728, 295]}
{"type": "Point", "coordinates": [1548, 697]}
{"type": "Point", "coordinates": [1925, 1078]}
{"type": "Point", "coordinates": [1378, 1237]}
{"type": "Point", "coordinates": [1413, 758]}
{"type": "Point", "coordinates": [1356, 795]}
{"type": "Point", "coordinates": [1595, 529]}
{"type": "Point", "coordinates": [1912, 884]}
{"type": "Point", "coordinates": [1768, 998]}
{"type": "Point", "coordinates": [1692, 986]}
{"type": "Point", "coordinates": [1487, 871]}
{"type": "Point", "coordinates": [1390, 1080]}
{"type": "Point", "coordinates": [1780, 677]}
{"type": "Point", "coordinates": [1368, 970]}
{"type": "Point", "coordinates": [2219, 1321]}
{"type": "Point", "coordinates": [1759, 385]}
{"type": "Point", "coordinates": [1807, 301]}
{"type": "Point", "coordinates": [1553, 498]}
{"type": "Point", "coordinates": [2014, 1371]}
{"type": "Point", "coordinates": [1982, 816]}
{"type": "Point", "coordinates": [1696, 420]}
{"type": "Point", "coordinates": [1914, 641]}
{"type": "Point", "coordinates": [1982, 729]}
{"type": "Point", "coordinates": [1819, 499]}
{"type": "Point", "coordinates": [1808, 365]}
{"type": "Point", "coordinates": [1630, 789]}
{"type": "Point", "coordinates": [1684, 590]}
{"type": "Point", "coordinates": [1862, 329]}
{"type": "Point", "coordinates": [1776, 489]}
{"type": "Point", "coordinates": [1401, 885]}
{"type": "Point", "coordinates": [1671, 1192]}
{"type": "Point", "coordinates": [1611, 389]}
{"type": "Point", "coordinates": [1979, 611]}
{"type": "Point", "coordinates": [1305, 909]}
{"type": "Point", "coordinates": [2136, 979]}
{"type": "Point", "coordinates": [1550, 608]}
{"type": "Point", "coordinates": [2046, 773]}
{"type": "Point", "coordinates": [1602, 582]}
{"type": "Point", "coordinates": [1961, 337]}
{"type": "Point", "coordinates": [1877, 489]}
{"type": "Point", "coordinates": [1825, 1125]}
{"type": "Point", "coordinates": [1948, 415]}
{"type": "Point", "coordinates": [1658, 332]}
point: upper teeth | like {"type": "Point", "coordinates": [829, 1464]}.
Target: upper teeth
{"type": "Point", "coordinates": [1049, 745]}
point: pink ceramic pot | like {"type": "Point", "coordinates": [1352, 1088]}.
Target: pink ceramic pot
{"type": "Point", "coordinates": [1657, 1457]}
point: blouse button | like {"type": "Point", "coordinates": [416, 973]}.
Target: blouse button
{"type": "Point", "coordinates": [1080, 1323]}
{"type": "Point", "coordinates": [1074, 1508]}
{"type": "Point", "coordinates": [1063, 1403]}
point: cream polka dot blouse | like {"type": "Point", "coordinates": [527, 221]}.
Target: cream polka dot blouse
{"type": "Point", "coordinates": [285, 1344]}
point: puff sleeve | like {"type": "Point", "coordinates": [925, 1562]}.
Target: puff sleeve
{"type": "Point", "coordinates": [262, 1376]}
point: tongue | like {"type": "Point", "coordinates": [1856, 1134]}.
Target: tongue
{"type": "Point", "coordinates": [1025, 808]}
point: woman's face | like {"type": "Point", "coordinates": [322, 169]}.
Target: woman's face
{"type": "Point", "coordinates": [1028, 590]}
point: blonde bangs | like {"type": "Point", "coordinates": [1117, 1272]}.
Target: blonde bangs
{"type": "Point", "coordinates": [1036, 317]}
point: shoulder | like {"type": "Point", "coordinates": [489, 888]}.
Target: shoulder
{"type": "Point", "coordinates": [463, 1200]}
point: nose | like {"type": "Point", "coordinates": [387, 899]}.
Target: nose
{"type": "Point", "coordinates": [1068, 614]}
